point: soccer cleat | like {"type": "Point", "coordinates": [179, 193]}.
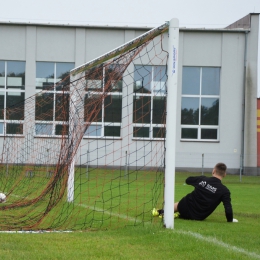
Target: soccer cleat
{"type": "Point", "coordinates": [161, 212]}
{"type": "Point", "coordinates": [155, 212]}
{"type": "Point", "coordinates": [176, 215]}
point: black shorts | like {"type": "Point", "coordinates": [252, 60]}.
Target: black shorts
{"type": "Point", "coordinates": [183, 209]}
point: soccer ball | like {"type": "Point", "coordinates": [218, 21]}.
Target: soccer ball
{"type": "Point", "coordinates": [2, 198]}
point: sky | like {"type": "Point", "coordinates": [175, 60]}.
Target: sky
{"type": "Point", "coordinates": [138, 13]}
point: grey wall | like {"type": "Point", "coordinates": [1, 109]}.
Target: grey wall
{"type": "Point", "coordinates": [251, 97]}
{"type": "Point", "coordinates": [225, 50]}
{"type": "Point", "coordinates": [196, 48]}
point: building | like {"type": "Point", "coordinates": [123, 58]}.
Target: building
{"type": "Point", "coordinates": [35, 55]}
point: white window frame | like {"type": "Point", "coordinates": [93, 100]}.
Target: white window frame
{"type": "Point", "coordinates": [154, 93]}
{"type": "Point", "coordinates": [7, 91]}
{"type": "Point", "coordinates": [52, 122]}
{"type": "Point", "coordinates": [101, 125]}
{"type": "Point", "coordinates": [199, 127]}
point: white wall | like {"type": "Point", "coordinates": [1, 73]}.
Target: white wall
{"type": "Point", "coordinates": [196, 48]}
{"type": "Point", "coordinates": [224, 50]}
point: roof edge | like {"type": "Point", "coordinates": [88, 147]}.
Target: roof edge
{"type": "Point", "coordinates": [76, 25]}
{"type": "Point", "coordinates": [244, 22]}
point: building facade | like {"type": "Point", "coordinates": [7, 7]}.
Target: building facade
{"type": "Point", "coordinates": [217, 83]}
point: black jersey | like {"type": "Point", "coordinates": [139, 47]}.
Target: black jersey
{"type": "Point", "coordinates": [209, 192]}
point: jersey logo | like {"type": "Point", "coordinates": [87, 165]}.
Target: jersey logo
{"type": "Point", "coordinates": [210, 188]}
{"type": "Point", "coordinates": [203, 183]}
{"type": "Point", "coordinates": [207, 186]}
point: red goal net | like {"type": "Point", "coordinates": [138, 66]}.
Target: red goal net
{"type": "Point", "coordinates": [88, 151]}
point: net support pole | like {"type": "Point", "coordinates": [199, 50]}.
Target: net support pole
{"type": "Point", "coordinates": [70, 193]}
{"type": "Point", "coordinates": [170, 144]}
{"type": "Point", "coordinates": [71, 140]}
{"type": "Point", "coordinates": [76, 128]}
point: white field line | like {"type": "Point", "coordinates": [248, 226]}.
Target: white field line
{"type": "Point", "coordinates": [219, 243]}
{"type": "Point", "coordinates": [108, 212]}
{"type": "Point", "coordinates": [189, 233]}
{"type": "Point", "coordinates": [196, 235]}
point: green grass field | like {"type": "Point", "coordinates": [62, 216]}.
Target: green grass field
{"type": "Point", "coordinates": [105, 198]}
{"type": "Point", "coordinates": [213, 238]}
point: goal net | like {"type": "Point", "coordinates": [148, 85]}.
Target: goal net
{"type": "Point", "coordinates": [89, 150]}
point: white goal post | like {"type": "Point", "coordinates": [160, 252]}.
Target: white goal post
{"type": "Point", "coordinates": [173, 42]}
{"type": "Point", "coordinates": [171, 123]}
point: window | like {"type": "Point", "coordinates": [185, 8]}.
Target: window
{"type": "Point", "coordinates": [103, 101]}
{"type": "Point", "coordinates": [12, 87]}
{"type": "Point", "coordinates": [52, 117]}
{"type": "Point", "coordinates": [149, 101]}
{"type": "Point", "coordinates": [200, 103]}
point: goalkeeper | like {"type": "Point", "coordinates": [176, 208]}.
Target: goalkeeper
{"type": "Point", "coordinates": [209, 192]}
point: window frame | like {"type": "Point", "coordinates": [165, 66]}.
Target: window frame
{"type": "Point", "coordinates": [52, 123]}
{"type": "Point", "coordinates": [102, 125]}
{"type": "Point", "coordinates": [5, 90]}
{"type": "Point", "coordinates": [154, 93]}
{"type": "Point", "coordinates": [200, 97]}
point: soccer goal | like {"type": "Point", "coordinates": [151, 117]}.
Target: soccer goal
{"type": "Point", "coordinates": [96, 150]}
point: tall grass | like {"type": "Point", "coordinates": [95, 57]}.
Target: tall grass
{"type": "Point", "coordinates": [213, 238]}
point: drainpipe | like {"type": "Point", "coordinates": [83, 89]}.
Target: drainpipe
{"type": "Point", "coordinates": [243, 111]}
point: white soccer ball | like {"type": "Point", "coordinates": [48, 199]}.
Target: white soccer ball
{"type": "Point", "coordinates": [2, 198]}
{"type": "Point", "coordinates": [235, 220]}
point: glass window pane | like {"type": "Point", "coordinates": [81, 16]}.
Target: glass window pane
{"type": "Point", "coordinates": [44, 75]}
{"type": "Point", "coordinates": [44, 107]}
{"type": "Point", "coordinates": [62, 73]}
{"type": "Point", "coordinates": [209, 133]}
{"type": "Point", "coordinates": [2, 74]}
{"type": "Point", "coordinates": [142, 109]}
{"type": "Point", "coordinates": [63, 70]}
{"type": "Point", "coordinates": [112, 130]}
{"type": "Point", "coordinates": [94, 79]}
{"type": "Point", "coordinates": [142, 79]}
{"type": "Point", "coordinates": [2, 104]}
{"type": "Point", "coordinates": [61, 130]}
{"type": "Point", "coordinates": [191, 81]}
{"type": "Point", "coordinates": [209, 111]}
{"type": "Point", "coordinates": [93, 130]}
{"type": "Point", "coordinates": [189, 133]}
{"type": "Point", "coordinates": [159, 109]}
{"type": "Point", "coordinates": [62, 104]}
{"type": "Point", "coordinates": [158, 132]}
{"type": "Point", "coordinates": [1, 128]}
{"type": "Point", "coordinates": [141, 131]}
{"type": "Point", "coordinates": [210, 81]}
{"type": "Point", "coordinates": [43, 129]}
{"type": "Point", "coordinates": [114, 77]}
{"type": "Point", "coordinates": [159, 79]}
{"type": "Point", "coordinates": [15, 105]}
{"type": "Point", "coordinates": [14, 129]}
{"type": "Point", "coordinates": [190, 111]}
{"type": "Point", "coordinates": [93, 108]}
{"type": "Point", "coordinates": [15, 74]}
{"type": "Point", "coordinates": [113, 108]}
{"type": "Point", "coordinates": [94, 84]}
